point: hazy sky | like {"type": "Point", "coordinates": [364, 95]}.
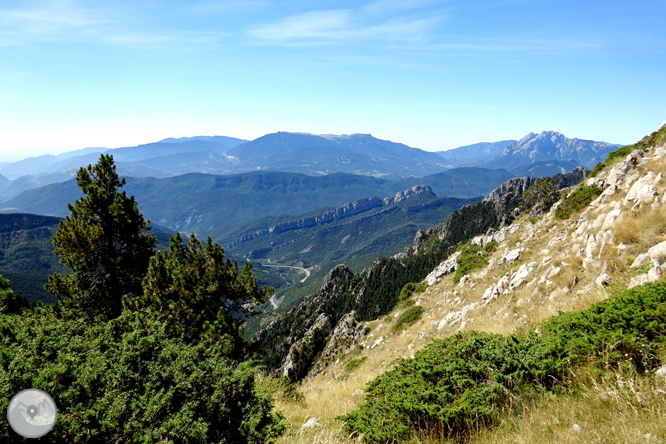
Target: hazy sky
{"type": "Point", "coordinates": [430, 74]}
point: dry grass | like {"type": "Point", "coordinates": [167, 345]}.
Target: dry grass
{"type": "Point", "coordinates": [621, 409]}
{"type": "Point", "coordinates": [642, 230]}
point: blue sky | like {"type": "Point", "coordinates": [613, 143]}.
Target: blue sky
{"type": "Point", "coordinates": [430, 74]}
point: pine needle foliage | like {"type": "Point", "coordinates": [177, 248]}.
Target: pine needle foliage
{"type": "Point", "coordinates": [104, 243]}
{"type": "Point", "coordinates": [197, 292]}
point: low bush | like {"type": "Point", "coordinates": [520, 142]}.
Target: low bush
{"type": "Point", "coordinates": [577, 201]}
{"type": "Point", "coordinates": [459, 384]}
{"type": "Point", "coordinates": [355, 363]}
{"type": "Point", "coordinates": [408, 317]}
{"type": "Point", "coordinates": [421, 287]}
{"type": "Point", "coordinates": [128, 380]}
{"type": "Point", "coordinates": [471, 257]}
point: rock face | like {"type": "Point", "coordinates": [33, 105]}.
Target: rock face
{"type": "Point", "coordinates": [508, 194]}
{"type": "Point", "coordinates": [303, 351]}
{"type": "Point", "coordinates": [345, 337]}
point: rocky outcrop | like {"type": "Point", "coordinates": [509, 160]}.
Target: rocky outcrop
{"type": "Point", "coordinates": [507, 196]}
{"type": "Point", "coordinates": [408, 194]}
{"type": "Point", "coordinates": [303, 351]}
{"type": "Point", "coordinates": [445, 268]}
{"type": "Point", "coordinates": [345, 337]}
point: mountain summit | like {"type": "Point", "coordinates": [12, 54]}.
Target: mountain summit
{"type": "Point", "coordinates": [551, 145]}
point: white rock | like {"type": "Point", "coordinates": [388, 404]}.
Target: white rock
{"type": "Point", "coordinates": [640, 260]}
{"type": "Point", "coordinates": [358, 392]}
{"type": "Point", "coordinates": [310, 423]}
{"type": "Point", "coordinates": [520, 276]}
{"type": "Point", "coordinates": [658, 254]}
{"type": "Point", "coordinates": [554, 272]}
{"type": "Point", "coordinates": [643, 190]}
{"type": "Point", "coordinates": [377, 342]}
{"type": "Point", "coordinates": [603, 279]}
{"type": "Point", "coordinates": [611, 217]}
{"type": "Point", "coordinates": [576, 428]}
{"type": "Point", "coordinates": [445, 268]}
{"type": "Point", "coordinates": [510, 257]}
{"type": "Point", "coordinates": [661, 372]}
{"type": "Point", "coordinates": [589, 262]}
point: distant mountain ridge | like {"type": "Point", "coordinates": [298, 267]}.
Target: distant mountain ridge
{"type": "Point", "coordinates": [217, 205]}
{"type": "Point", "coordinates": [470, 155]}
{"type": "Point", "coordinates": [315, 155]}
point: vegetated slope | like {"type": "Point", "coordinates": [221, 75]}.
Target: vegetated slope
{"type": "Point", "coordinates": [602, 237]}
{"type": "Point", "coordinates": [292, 341]}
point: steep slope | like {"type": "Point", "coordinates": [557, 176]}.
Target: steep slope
{"type": "Point", "coordinates": [603, 236]}
{"type": "Point", "coordinates": [376, 290]}
{"type": "Point", "coordinates": [355, 234]}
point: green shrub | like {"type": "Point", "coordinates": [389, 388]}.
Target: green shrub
{"type": "Point", "coordinates": [471, 257]}
{"type": "Point", "coordinates": [491, 246]}
{"type": "Point", "coordinates": [355, 363]}
{"type": "Point", "coordinates": [458, 385]}
{"type": "Point", "coordinates": [656, 138]}
{"type": "Point", "coordinates": [127, 380]}
{"type": "Point", "coordinates": [408, 317]}
{"type": "Point", "coordinates": [366, 330]}
{"type": "Point", "coordinates": [598, 167]}
{"type": "Point", "coordinates": [577, 200]}
{"type": "Point", "coordinates": [407, 291]}
{"type": "Point", "coordinates": [420, 288]}
{"type": "Point", "coordinates": [406, 303]}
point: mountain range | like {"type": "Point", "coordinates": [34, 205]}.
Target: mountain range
{"type": "Point", "coordinates": [304, 153]}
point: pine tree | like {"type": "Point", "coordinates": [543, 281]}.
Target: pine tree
{"type": "Point", "coordinates": [197, 292]}
{"type": "Point", "coordinates": [10, 302]}
{"type": "Point", "coordinates": [104, 243]}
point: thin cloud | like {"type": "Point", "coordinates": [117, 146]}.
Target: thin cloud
{"type": "Point", "coordinates": [329, 26]}
{"type": "Point", "coordinates": [65, 21]}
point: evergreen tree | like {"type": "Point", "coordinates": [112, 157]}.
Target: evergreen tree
{"type": "Point", "coordinates": [10, 302]}
{"type": "Point", "coordinates": [103, 242]}
{"type": "Point", "coordinates": [197, 292]}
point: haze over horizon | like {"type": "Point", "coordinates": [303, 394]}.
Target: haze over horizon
{"type": "Point", "coordinates": [430, 74]}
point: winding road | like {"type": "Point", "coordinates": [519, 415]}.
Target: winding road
{"type": "Point", "coordinates": [307, 275]}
